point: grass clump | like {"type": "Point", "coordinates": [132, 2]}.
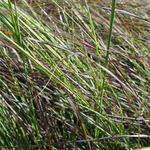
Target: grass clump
{"type": "Point", "coordinates": [74, 75]}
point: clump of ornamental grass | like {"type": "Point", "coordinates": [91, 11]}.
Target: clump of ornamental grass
{"type": "Point", "coordinates": [74, 74]}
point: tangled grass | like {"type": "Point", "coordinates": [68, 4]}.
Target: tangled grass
{"type": "Point", "coordinates": [74, 74]}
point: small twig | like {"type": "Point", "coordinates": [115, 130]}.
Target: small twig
{"type": "Point", "coordinates": [113, 137]}
{"type": "Point", "coordinates": [78, 141]}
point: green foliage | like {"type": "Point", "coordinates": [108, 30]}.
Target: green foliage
{"type": "Point", "coordinates": [74, 75]}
